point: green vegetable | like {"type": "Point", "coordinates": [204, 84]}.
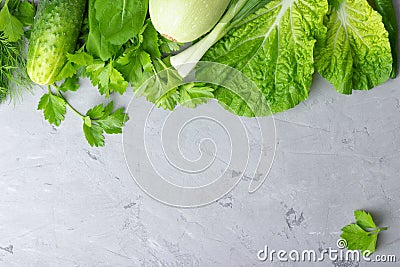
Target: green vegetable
{"type": "Point", "coordinates": [102, 119]}
{"type": "Point", "coordinates": [54, 108]}
{"type": "Point", "coordinates": [135, 63]}
{"type": "Point", "coordinates": [13, 76]}
{"type": "Point", "coordinates": [70, 84]}
{"type": "Point", "coordinates": [10, 25]}
{"type": "Point", "coordinates": [15, 17]}
{"type": "Point", "coordinates": [55, 33]}
{"type": "Point", "coordinates": [112, 24]}
{"type": "Point", "coordinates": [143, 59]}
{"type": "Point", "coordinates": [363, 234]}
{"type": "Point", "coordinates": [102, 74]}
{"type": "Point", "coordinates": [97, 121]}
{"type": "Point", "coordinates": [386, 9]}
{"type": "Point", "coordinates": [185, 20]}
{"type": "Point", "coordinates": [274, 48]}
{"type": "Point", "coordinates": [237, 11]}
{"type": "Point", "coordinates": [356, 51]}
{"type": "Point", "coordinates": [96, 43]}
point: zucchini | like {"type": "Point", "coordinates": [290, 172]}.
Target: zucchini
{"type": "Point", "coordinates": [55, 33]}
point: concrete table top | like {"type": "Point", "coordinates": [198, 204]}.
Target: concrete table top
{"type": "Point", "coordinates": [63, 203]}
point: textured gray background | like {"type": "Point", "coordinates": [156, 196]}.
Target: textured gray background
{"type": "Point", "coordinates": [64, 203]}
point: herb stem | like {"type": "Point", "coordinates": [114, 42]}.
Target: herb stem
{"type": "Point", "coordinates": [67, 103]}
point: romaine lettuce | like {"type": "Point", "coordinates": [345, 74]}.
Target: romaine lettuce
{"type": "Point", "coordinates": [356, 52]}
{"type": "Point", "coordinates": [274, 47]}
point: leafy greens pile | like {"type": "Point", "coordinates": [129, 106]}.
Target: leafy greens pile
{"type": "Point", "coordinates": [119, 46]}
{"type": "Point", "coordinates": [277, 44]}
{"type": "Point", "coordinates": [282, 43]}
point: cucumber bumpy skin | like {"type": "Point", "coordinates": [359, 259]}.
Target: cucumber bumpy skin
{"type": "Point", "coordinates": [55, 33]}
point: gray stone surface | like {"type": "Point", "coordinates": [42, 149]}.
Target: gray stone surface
{"type": "Point", "coordinates": [63, 203]}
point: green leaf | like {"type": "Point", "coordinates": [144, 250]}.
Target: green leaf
{"type": "Point", "coordinates": [168, 100]}
{"type": "Point", "coordinates": [150, 40]}
{"type": "Point", "coordinates": [133, 63]}
{"type": "Point", "coordinates": [96, 112]}
{"type": "Point", "coordinates": [102, 119]}
{"type": "Point", "coordinates": [335, 3]}
{"type": "Point", "coordinates": [67, 71]}
{"type": "Point", "coordinates": [107, 78]}
{"type": "Point", "coordinates": [25, 13]}
{"type": "Point", "coordinates": [249, 8]}
{"type": "Point", "coordinates": [94, 135]}
{"type": "Point", "coordinates": [10, 25]}
{"type": "Point", "coordinates": [120, 20]}
{"type": "Point", "coordinates": [116, 82]}
{"type": "Point", "coordinates": [113, 123]}
{"type": "Point", "coordinates": [161, 85]}
{"type": "Point", "coordinates": [193, 94]}
{"type": "Point", "coordinates": [364, 220]}
{"type": "Point", "coordinates": [70, 84]}
{"type": "Point", "coordinates": [362, 235]}
{"type": "Point", "coordinates": [81, 58]}
{"type": "Point", "coordinates": [54, 108]}
{"type": "Point", "coordinates": [388, 12]}
{"type": "Point", "coordinates": [95, 67]}
{"type": "Point", "coordinates": [167, 46]}
{"type": "Point", "coordinates": [359, 239]}
{"type": "Point", "coordinates": [136, 63]}
{"type": "Point", "coordinates": [274, 49]}
{"type": "Point", "coordinates": [356, 52]}
{"type": "Point", "coordinates": [96, 44]}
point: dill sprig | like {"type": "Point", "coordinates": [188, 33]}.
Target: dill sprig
{"type": "Point", "coordinates": [13, 76]}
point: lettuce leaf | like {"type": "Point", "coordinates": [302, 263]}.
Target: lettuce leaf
{"type": "Point", "coordinates": [274, 48]}
{"type": "Point", "coordinates": [356, 52]}
{"type": "Point", "coordinates": [120, 20]}
{"type": "Point", "coordinates": [112, 24]}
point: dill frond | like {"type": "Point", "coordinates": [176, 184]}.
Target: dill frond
{"type": "Point", "coordinates": [13, 76]}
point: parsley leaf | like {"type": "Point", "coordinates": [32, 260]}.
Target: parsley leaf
{"type": "Point", "coordinates": [107, 78]}
{"type": "Point", "coordinates": [81, 58]}
{"type": "Point", "coordinates": [103, 74]}
{"type": "Point", "coordinates": [67, 71]}
{"type": "Point", "coordinates": [193, 94]}
{"type": "Point", "coordinates": [364, 219]}
{"type": "Point", "coordinates": [10, 25]}
{"type": "Point", "coordinates": [169, 100]}
{"type": "Point", "coordinates": [359, 239]}
{"type": "Point", "coordinates": [101, 119]}
{"type": "Point", "coordinates": [112, 122]}
{"type": "Point", "coordinates": [94, 135]}
{"type": "Point", "coordinates": [70, 84]}
{"type": "Point", "coordinates": [167, 46]}
{"type": "Point", "coordinates": [54, 108]}
{"type": "Point", "coordinates": [133, 63]}
{"type": "Point", "coordinates": [363, 234]}
{"type": "Point", "coordinates": [136, 62]}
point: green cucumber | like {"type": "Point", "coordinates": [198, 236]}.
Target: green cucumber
{"type": "Point", "coordinates": [55, 33]}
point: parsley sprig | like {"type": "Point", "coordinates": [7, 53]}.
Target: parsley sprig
{"type": "Point", "coordinates": [363, 234]}
{"type": "Point", "coordinates": [97, 121]}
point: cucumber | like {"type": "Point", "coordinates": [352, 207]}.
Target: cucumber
{"type": "Point", "coordinates": [55, 33]}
